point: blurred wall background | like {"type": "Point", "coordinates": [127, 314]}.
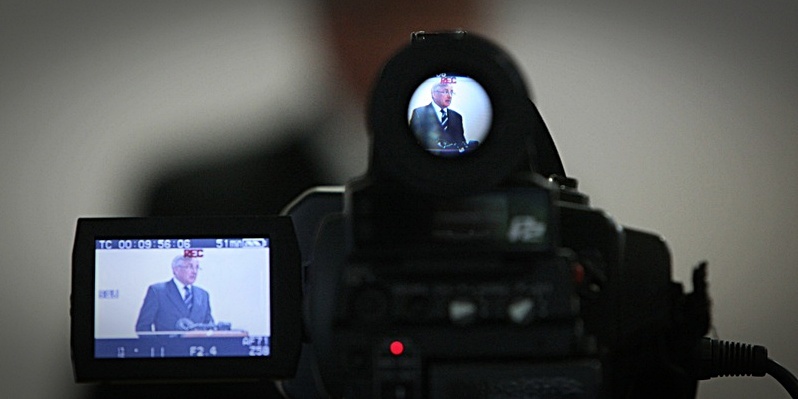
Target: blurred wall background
{"type": "Point", "coordinates": [677, 117]}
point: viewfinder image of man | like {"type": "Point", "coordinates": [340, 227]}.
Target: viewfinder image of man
{"type": "Point", "coordinates": [176, 304]}
{"type": "Point", "coordinates": [436, 126]}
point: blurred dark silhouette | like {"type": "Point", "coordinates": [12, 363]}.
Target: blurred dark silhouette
{"type": "Point", "coordinates": [323, 149]}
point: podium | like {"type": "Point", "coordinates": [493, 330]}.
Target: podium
{"type": "Point", "coordinates": [195, 334]}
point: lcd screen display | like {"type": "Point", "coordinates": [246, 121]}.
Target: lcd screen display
{"type": "Point", "coordinates": [182, 297]}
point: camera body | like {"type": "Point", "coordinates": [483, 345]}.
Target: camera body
{"type": "Point", "coordinates": [470, 274]}
{"type": "Point", "coordinates": [463, 264]}
{"type": "Point", "coordinates": [519, 291]}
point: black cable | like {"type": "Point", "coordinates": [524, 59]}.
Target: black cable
{"type": "Point", "coordinates": [716, 358]}
{"type": "Point", "coordinates": [784, 377]}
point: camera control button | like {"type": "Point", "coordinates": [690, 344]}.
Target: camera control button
{"type": "Point", "coordinates": [521, 310]}
{"type": "Point", "coordinates": [462, 311]}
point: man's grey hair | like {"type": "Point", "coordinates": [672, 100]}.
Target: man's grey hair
{"type": "Point", "coordinates": [439, 86]}
{"type": "Point", "coordinates": [179, 260]}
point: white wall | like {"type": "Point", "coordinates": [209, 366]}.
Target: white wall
{"type": "Point", "coordinates": [237, 281]}
{"type": "Point", "coordinates": [677, 117]}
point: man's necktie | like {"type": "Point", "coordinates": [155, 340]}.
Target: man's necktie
{"type": "Point", "coordinates": [189, 298]}
{"type": "Point", "coordinates": [444, 119]}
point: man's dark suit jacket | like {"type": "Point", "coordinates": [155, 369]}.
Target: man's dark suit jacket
{"type": "Point", "coordinates": [163, 307]}
{"type": "Point", "coordinates": [427, 126]}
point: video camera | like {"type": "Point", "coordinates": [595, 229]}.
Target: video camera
{"type": "Point", "coordinates": [464, 263]}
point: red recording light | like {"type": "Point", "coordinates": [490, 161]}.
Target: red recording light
{"type": "Point", "coordinates": [397, 348]}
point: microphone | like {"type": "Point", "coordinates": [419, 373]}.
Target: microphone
{"type": "Point", "coordinates": [185, 324]}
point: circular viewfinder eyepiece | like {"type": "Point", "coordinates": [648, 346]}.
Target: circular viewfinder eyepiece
{"type": "Point", "coordinates": [488, 130]}
{"type": "Point", "coordinates": [450, 114]}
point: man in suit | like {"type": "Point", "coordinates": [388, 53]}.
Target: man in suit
{"type": "Point", "coordinates": [170, 305]}
{"type": "Point", "coordinates": [436, 126]}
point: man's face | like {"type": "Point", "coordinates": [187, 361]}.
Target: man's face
{"type": "Point", "coordinates": [442, 96]}
{"type": "Point", "coordinates": [186, 271]}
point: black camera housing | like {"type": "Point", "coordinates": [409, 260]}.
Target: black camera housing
{"type": "Point", "coordinates": [422, 255]}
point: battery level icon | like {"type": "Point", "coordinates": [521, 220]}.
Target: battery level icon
{"type": "Point", "coordinates": [255, 242]}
